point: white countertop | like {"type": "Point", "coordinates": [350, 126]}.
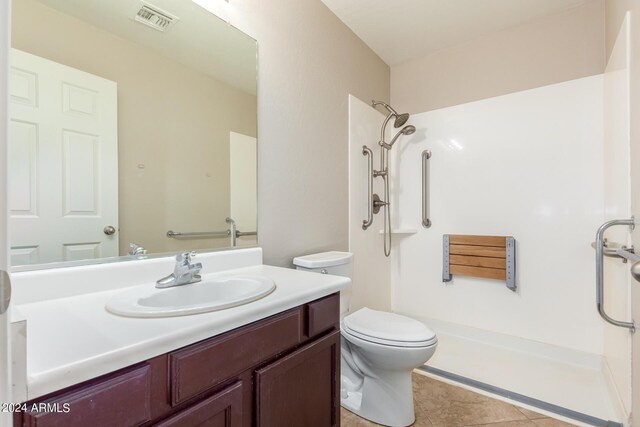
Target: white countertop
{"type": "Point", "coordinates": [73, 339]}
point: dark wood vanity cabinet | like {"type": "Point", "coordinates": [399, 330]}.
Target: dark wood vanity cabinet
{"type": "Point", "coordinates": [277, 372]}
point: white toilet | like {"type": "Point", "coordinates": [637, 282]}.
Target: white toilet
{"type": "Point", "coordinates": [379, 351]}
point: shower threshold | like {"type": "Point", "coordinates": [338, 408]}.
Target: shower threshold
{"type": "Point", "coordinates": [561, 381]}
{"type": "Point", "coordinates": [517, 397]}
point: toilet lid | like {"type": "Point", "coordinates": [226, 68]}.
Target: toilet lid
{"type": "Point", "coordinates": [388, 328]}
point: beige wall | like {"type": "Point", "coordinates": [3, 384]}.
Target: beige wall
{"type": "Point", "coordinates": [309, 63]}
{"type": "Point", "coordinates": [553, 49]}
{"type": "Point", "coordinates": [172, 119]}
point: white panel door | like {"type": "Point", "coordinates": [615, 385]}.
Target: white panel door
{"type": "Point", "coordinates": [63, 162]}
{"type": "Point", "coordinates": [243, 182]}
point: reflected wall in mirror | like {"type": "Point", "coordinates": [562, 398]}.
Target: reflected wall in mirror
{"type": "Point", "coordinates": [129, 120]}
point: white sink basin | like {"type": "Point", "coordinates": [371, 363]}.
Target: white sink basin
{"type": "Point", "coordinates": [209, 295]}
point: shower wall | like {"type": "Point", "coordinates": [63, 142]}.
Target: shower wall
{"type": "Point", "coordinates": [529, 165]}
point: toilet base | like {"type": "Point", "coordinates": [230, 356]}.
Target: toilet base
{"type": "Point", "coordinates": [389, 399]}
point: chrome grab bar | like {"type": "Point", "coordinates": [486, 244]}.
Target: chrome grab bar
{"type": "Point", "coordinates": [366, 151]}
{"type": "Point", "coordinates": [176, 234]}
{"type": "Point", "coordinates": [426, 222]}
{"type": "Point", "coordinates": [600, 272]}
{"type": "Point", "coordinates": [233, 232]}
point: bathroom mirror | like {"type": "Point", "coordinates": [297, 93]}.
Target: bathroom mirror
{"type": "Point", "coordinates": [132, 122]}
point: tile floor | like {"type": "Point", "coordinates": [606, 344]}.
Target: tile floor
{"type": "Point", "coordinates": [439, 404]}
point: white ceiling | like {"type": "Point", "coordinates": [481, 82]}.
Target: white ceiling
{"type": "Point", "coordinates": [198, 40]}
{"type": "Point", "coordinates": [400, 30]}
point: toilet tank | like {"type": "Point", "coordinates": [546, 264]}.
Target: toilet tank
{"type": "Point", "coordinates": [334, 262]}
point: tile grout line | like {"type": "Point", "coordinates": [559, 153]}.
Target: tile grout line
{"type": "Point", "coordinates": [542, 416]}
{"type": "Point", "coordinates": [550, 407]}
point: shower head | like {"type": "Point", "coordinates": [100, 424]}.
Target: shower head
{"type": "Point", "coordinates": [400, 119]}
{"type": "Point", "coordinates": [407, 130]}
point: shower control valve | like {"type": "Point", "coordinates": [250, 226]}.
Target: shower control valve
{"type": "Point", "coordinates": [378, 203]}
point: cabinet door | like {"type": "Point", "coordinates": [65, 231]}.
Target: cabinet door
{"type": "Point", "coordinates": [301, 389]}
{"type": "Point", "coordinates": [223, 409]}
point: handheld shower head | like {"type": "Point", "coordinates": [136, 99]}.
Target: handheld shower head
{"type": "Point", "coordinates": [400, 119]}
{"type": "Point", "coordinates": [407, 130]}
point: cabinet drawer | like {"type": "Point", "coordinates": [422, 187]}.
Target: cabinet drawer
{"type": "Point", "coordinates": [323, 315]}
{"type": "Point", "coordinates": [199, 367]}
{"type": "Point", "coordinates": [121, 401]}
{"type": "Point", "coordinates": [223, 409]}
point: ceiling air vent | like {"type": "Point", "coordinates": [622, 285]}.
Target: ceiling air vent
{"type": "Point", "coordinates": [155, 17]}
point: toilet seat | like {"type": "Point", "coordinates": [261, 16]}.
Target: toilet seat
{"type": "Point", "coordinates": [388, 329]}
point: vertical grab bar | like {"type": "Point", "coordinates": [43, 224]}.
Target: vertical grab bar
{"type": "Point", "coordinates": [426, 222]}
{"type": "Point", "coordinates": [366, 151]}
{"type": "Point", "coordinates": [600, 272]}
{"type": "Point", "coordinates": [233, 231]}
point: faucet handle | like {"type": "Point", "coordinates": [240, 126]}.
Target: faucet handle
{"type": "Point", "coordinates": [185, 257]}
{"type": "Point", "coordinates": [136, 249]}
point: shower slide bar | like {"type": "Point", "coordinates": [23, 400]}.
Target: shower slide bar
{"type": "Point", "coordinates": [600, 251]}
{"type": "Point", "coordinates": [426, 222]}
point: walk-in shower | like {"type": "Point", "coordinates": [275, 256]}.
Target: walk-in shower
{"type": "Point", "coordinates": [374, 201]}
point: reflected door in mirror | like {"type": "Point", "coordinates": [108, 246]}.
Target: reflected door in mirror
{"type": "Point", "coordinates": [63, 162]}
{"type": "Point", "coordinates": [243, 166]}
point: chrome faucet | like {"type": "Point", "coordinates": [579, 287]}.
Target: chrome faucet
{"type": "Point", "coordinates": [136, 250]}
{"type": "Point", "coordinates": [184, 272]}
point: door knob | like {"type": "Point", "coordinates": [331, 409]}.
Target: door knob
{"type": "Point", "coordinates": [109, 230]}
{"type": "Point", "coordinates": [635, 271]}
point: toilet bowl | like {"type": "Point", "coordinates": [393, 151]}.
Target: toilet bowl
{"type": "Point", "coordinates": [379, 351]}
